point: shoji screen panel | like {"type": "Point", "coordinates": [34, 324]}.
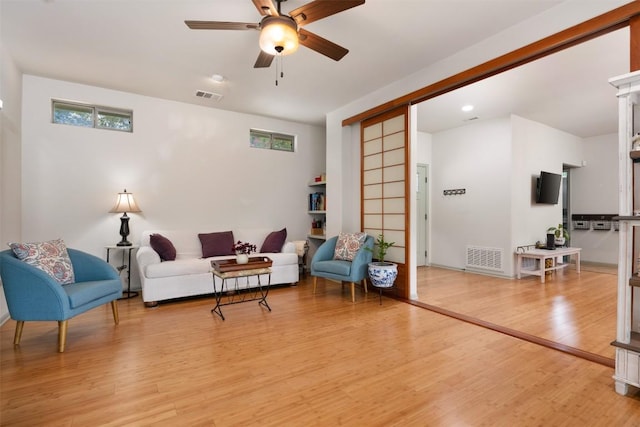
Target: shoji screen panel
{"type": "Point", "coordinates": [384, 185]}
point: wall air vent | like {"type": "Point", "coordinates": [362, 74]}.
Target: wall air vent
{"type": "Point", "coordinates": [208, 95]}
{"type": "Point", "coordinates": [470, 119]}
{"type": "Point", "coordinates": [484, 258]}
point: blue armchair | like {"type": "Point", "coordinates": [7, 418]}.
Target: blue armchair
{"type": "Point", "coordinates": [34, 295]}
{"type": "Point", "coordinates": [323, 265]}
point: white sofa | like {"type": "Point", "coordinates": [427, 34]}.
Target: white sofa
{"type": "Point", "coordinates": [190, 274]}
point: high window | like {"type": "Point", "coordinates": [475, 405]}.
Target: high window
{"type": "Point", "coordinates": [93, 116]}
{"type": "Point", "coordinates": [271, 140]}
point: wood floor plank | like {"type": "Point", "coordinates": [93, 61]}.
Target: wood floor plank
{"type": "Point", "coordinates": [315, 360]}
{"type": "Point", "coordinates": [578, 310]}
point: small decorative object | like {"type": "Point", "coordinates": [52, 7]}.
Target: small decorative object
{"type": "Point", "coordinates": [317, 227]}
{"type": "Point", "coordinates": [635, 142]}
{"type": "Point", "coordinates": [243, 250]}
{"type": "Point", "coordinates": [551, 241]}
{"type": "Point", "coordinates": [380, 248]}
{"type": "Point", "coordinates": [561, 234]}
{"type": "Point", "coordinates": [382, 273]}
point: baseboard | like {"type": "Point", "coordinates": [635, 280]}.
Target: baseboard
{"type": "Point", "coordinates": [470, 270]}
{"type": "Point", "coordinates": [598, 264]}
{"type": "Point", "coordinates": [4, 318]}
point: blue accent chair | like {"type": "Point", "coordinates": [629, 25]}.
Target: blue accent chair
{"type": "Point", "coordinates": [34, 295]}
{"type": "Point", "coordinates": [323, 265]}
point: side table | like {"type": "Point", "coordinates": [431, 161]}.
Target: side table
{"type": "Point", "coordinates": [541, 255]}
{"type": "Point", "coordinates": [126, 256]}
{"type": "Point", "coordinates": [230, 270]}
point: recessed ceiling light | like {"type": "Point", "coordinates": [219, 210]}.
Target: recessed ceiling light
{"type": "Point", "coordinates": [217, 78]}
{"type": "Point", "coordinates": [467, 108]}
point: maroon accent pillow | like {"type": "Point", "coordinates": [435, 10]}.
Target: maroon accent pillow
{"type": "Point", "coordinates": [163, 247]}
{"type": "Point", "coordinates": [216, 244]}
{"type": "Point", "coordinates": [274, 242]}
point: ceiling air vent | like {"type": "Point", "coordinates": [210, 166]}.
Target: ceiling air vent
{"type": "Point", "coordinates": [208, 95]}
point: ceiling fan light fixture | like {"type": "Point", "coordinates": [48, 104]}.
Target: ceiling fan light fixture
{"type": "Point", "coordinates": [278, 35]}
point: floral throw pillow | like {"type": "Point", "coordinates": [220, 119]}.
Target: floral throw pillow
{"type": "Point", "coordinates": [51, 257]}
{"type": "Point", "coordinates": [348, 245]}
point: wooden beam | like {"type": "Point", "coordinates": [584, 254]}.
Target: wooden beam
{"type": "Point", "coordinates": [634, 38]}
{"type": "Point", "coordinates": [595, 27]}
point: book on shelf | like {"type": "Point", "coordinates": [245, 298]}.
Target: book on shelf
{"type": "Point", "coordinates": [317, 201]}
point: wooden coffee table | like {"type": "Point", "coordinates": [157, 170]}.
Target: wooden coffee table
{"type": "Point", "coordinates": [232, 275]}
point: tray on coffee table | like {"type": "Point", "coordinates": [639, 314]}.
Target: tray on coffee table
{"type": "Point", "coordinates": [228, 265]}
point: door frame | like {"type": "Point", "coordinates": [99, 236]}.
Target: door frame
{"type": "Point", "coordinates": [422, 215]}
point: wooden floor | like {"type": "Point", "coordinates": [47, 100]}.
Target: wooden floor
{"type": "Point", "coordinates": [577, 310]}
{"type": "Point", "coordinates": [315, 360]}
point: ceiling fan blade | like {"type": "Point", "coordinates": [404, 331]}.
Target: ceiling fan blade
{"type": "Point", "coordinates": [321, 45]}
{"type": "Point", "coordinates": [218, 25]}
{"type": "Point", "coordinates": [264, 60]}
{"type": "Point", "coordinates": [266, 7]}
{"type": "Point", "coordinates": [321, 9]}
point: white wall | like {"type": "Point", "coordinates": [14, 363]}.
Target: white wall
{"type": "Point", "coordinates": [594, 190]}
{"type": "Point", "coordinates": [477, 158]}
{"type": "Point", "coordinates": [423, 149]}
{"type": "Point", "coordinates": [188, 167]}
{"type": "Point", "coordinates": [496, 162]}
{"type": "Point", "coordinates": [10, 134]}
{"type": "Point", "coordinates": [537, 147]}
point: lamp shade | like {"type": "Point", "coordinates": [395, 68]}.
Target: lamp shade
{"type": "Point", "coordinates": [278, 35]}
{"type": "Point", "coordinates": [125, 203]}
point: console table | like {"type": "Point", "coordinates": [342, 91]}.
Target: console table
{"type": "Point", "coordinates": [541, 255]}
{"type": "Point", "coordinates": [229, 271]}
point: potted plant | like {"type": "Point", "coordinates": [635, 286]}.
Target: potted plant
{"type": "Point", "coordinates": [243, 250]}
{"type": "Point", "coordinates": [382, 273]}
{"type": "Point", "coordinates": [561, 235]}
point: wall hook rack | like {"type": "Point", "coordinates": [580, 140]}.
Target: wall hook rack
{"type": "Point", "coordinates": [454, 192]}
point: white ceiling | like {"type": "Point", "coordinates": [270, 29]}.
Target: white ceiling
{"type": "Point", "coordinates": [568, 90]}
{"type": "Point", "coordinates": [143, 46]}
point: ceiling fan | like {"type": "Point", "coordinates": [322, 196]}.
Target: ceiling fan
{"type": "Point", "coordinates": [280, 34]}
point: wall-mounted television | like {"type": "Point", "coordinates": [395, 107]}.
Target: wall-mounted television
{"type": "Point", "coordinates": [548, 188]}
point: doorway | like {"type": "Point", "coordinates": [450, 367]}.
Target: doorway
{"type": "Point", "coordinates": [566, 200]}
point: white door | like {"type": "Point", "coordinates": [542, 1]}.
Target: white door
{"type": "Point", "coordinates": [422, 218]}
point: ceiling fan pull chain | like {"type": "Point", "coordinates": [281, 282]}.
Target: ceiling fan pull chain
{"type": "Point", "coordinates": [279, 50]}
{"type": "Point", "coordinates": [280, 66]}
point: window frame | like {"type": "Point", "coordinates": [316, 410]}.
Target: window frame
{"type": "Point", "coordinates": [261, 133]}
{"type": "Point", "coordinates": [96, 112]}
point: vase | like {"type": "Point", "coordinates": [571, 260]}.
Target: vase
{"type": "Point", "coordinates": [383, 274]}
{"type": "Point", "coordinates": [242, 258]}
